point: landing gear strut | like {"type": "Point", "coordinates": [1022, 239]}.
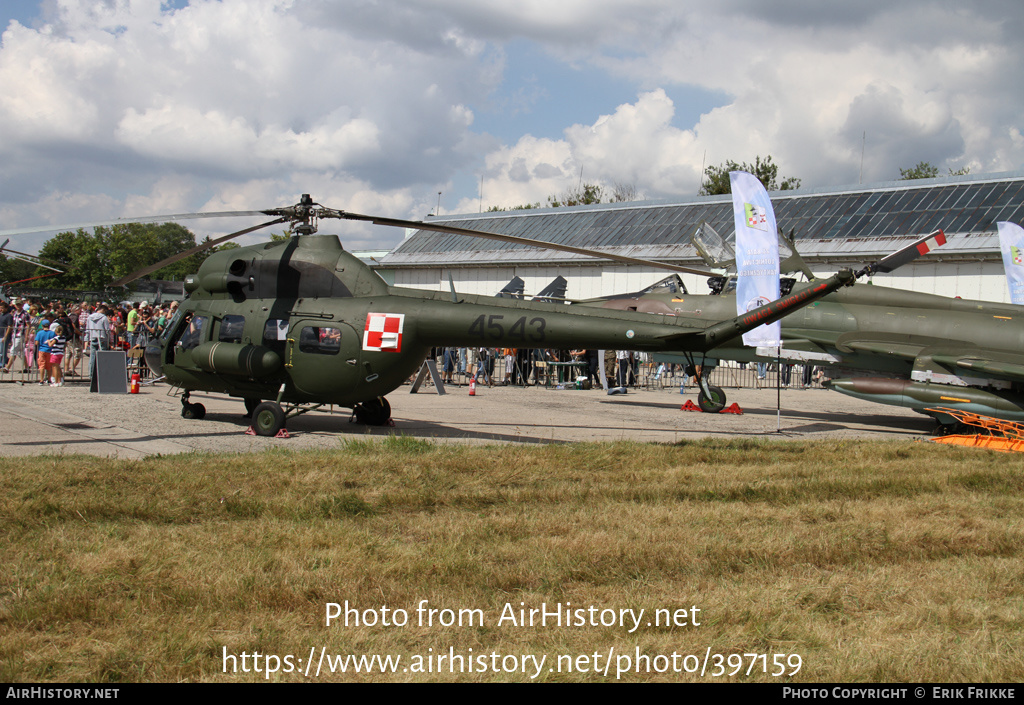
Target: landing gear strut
{"type": "Point", "coordinates": [710, 399]}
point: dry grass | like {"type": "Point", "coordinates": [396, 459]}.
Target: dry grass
{"type": "Point", "coordinates": [873, 562]}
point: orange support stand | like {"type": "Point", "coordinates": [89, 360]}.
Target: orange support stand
{"type": "Point", "coordinates": [1004, 436]}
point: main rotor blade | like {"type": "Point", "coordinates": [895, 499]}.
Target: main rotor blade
{"type": "Point", "coordinates": [902, 256]}
{"type": "Point", "coordinates": [4, 249]}
{"type": "Point", "coordinates": [124, 221]}
{"type": "Point", "coordinates": [35, 263]}
{"type": "Point", "coordinates": [453, 230]}
{"type": "Point", "coordinates": [188, 253]}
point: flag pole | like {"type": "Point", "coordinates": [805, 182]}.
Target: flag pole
{"type": "Point", "coordinates": [778, 390]}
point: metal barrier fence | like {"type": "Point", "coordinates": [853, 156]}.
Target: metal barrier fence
{"type": "Point", "coordinates": [737, 375]}
{"type": "Point", "coordinates": [650, 375]}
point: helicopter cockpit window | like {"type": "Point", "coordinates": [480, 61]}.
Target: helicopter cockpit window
{"type": "Point", "coordinates": [193, 334]}
{"type": "Point", "coordinates": [320, 340]}
{"type": "Point", "coordinates": [172, 325]}
{"type": "Point", "coordinates": [231, 329]}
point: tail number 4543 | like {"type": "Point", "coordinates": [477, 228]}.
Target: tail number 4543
{"type": "Point", "coordinates": [493, 328]}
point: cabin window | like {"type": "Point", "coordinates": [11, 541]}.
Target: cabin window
{"type": "Point", "coordinates": [193, 334]}
{"type": "Point", "coordinates": [320, 340]}
{"type": "Point", "coordinates": [231, 329]}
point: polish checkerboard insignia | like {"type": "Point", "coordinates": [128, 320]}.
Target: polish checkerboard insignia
{"type": "Point", "coordinates": [383, 332]}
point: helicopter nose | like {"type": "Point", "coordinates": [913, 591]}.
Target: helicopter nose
{"type": "Point", "coordinates": [153, 360]}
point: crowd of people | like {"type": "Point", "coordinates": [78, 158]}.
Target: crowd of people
{"type": "Point", "coordinates": [51, 339]}
{"type": "Point", "coordinates": [622, 368]}
{"type": "Point", "coordinates": [526, 366]}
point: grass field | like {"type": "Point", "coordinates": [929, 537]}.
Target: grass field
{"type": "Point", "coordinates": [851, 561]}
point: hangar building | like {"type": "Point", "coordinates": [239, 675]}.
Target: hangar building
{"type": "Point", "coordinates": [833, 227]}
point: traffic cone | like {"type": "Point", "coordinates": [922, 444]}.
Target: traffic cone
{"type": "Point", "coordinates": [136, 380]}
{"type": "Point", "coordinates": [472, 386]}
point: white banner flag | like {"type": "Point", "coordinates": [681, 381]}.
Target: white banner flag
{"type": "Point", "coordinates": [757, 255]}
{"type": "Point", "coordinates": [1011, 242]}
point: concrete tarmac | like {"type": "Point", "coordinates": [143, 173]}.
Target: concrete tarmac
{"type": "Point", "coordinates": [70, 420]}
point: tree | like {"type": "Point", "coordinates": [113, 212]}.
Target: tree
{"type": "Point", "coordinates": [622, 193]}
{"type": "Point", "coordinates": [583, 195]}
{"type": "Point", "coordinates": [108, 253]}
{"type": "Point", "coordinates": [132, 246]}
{"type": "Point", "coordinates": [717, 181]}
{"type": "Point", "coordinates": [83, 254]}
{"type": "Point", "coordinates": [524, 207]}
{"type": "Point", "coordinates": [923, 170]}
{"type": "Point", "coordinates": [14, 269]}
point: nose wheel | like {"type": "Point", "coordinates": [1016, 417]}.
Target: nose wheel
{"type": "Point", "coordinates": [713, 401]}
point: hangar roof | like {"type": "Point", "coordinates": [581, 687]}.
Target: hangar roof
{"type": "Point", "coordinates": [827, 223]}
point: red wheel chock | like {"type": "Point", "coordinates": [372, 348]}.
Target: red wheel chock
{"type": "Point", "coordinates": [283, 433]}
{"type": "Point", "coordinates": [734, 408]}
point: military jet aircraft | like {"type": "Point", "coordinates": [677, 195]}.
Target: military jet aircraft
{"type": "Point", "coordinates": [883, 344]}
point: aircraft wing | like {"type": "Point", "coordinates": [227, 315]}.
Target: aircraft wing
{"type": "Point", "coordinates": [898, 344]}
{"type": "Point", "coordinates": [973, 361]}
{"type": "Point", "coordinates": [808, 338]}
{"type": "Point", "coordinates": [992, 363]}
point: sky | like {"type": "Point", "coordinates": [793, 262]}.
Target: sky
{"type": "Point", "coordinates": [119, 108]}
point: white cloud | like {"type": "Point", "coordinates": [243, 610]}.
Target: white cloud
{"type": "Point", "coordinates": [217, 141]}
{"type": "Point", "coordinates": [635, 145]}
{"type": "Point", "coordinates": [115, 105]}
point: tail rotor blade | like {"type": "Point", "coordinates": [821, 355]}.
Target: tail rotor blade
{"type": "Point", "coordinates": [904, 255]}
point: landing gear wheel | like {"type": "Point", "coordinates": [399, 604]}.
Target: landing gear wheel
{"type": "Point", "coordinates": [268, 418]}
{"type": "Point", "coordinates": [193, 411]}
{"type": "Point", "coordinates": [250, 406]}
{"type": "Point", "coordinates": [376, 412]}
{"type": "Point", "coordinates": [711, 404]}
